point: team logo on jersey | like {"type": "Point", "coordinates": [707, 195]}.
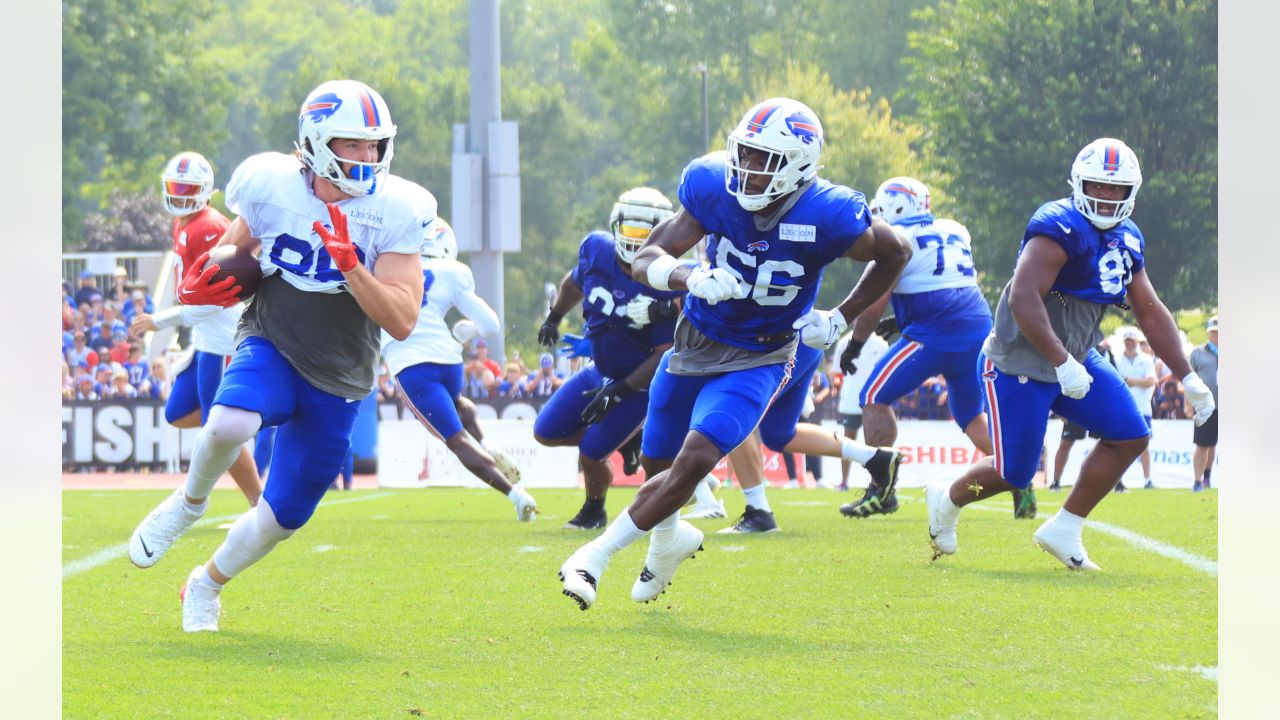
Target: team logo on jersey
{"type": "Point", "coordinates": [619, 294]}
{"type": "Point", "coordinates": [797, 233]}
{"type": "Point", "coordinates": [322, 107]}
{"type": "Point", "coordinates": [1113, 244]}
{"type": "Point", "coordinates": [758, 246]}
{"type": "Point", "coordinates": [803, 127]}
{"type": "Point", "coordinates": [761, 118]}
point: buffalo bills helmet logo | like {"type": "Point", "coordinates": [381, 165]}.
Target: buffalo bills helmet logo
{"type": "Point", "coordinates": [804, 127]}
{"type": "Point", "coordinates": [758, 246]}
{"type": "Point", "coordinates": [757, 122]}
{"type": "Point", "coordinates": [321, 107]}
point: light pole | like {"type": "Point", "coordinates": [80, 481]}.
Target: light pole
{"type": "Point", "coordinates": [706, 126]}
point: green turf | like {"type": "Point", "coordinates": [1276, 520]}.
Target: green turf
{"type": "Point", "coordinates": [438, 604]}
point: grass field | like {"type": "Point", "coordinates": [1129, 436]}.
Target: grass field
{"type": "Point", "coordinates": [398, 604]}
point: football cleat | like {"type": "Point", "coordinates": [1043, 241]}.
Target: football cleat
{"type": "Point", "coordinates": [873, 502]}
{"type": "Point", "coordinates": [1120, 488]}
{"type": "Point", "coordinates": [1197, 487]}
{"type": "Point", "coordinates": [631, 455]}
{"type": "Point", "coordinates": [169, 521]}
{"type": "Point", "coordinates": [1055, 487]}
{"type": "Point", "coordinates": [1064, 545]}
{"type": "Point", "coordinates": [700, 512]}
{"type": "Point", "coordinates": [588, 518]}
{"type": "Point", "coordinates": [753, 520]}
{"type": "Point", "coordinates": [526, 506]}
{"type": "Point", "coordinates": [508, 468]}
{"type": "Point", "coordinates": [664, 559]}
{"type": "Point", "coordinates": [1024, 504]}
{"type": "Point", "coordinates": [201, 605]}
{"type": "Point", "coordinates": [942, 524]}
{"type": "Point", "coordinates": [883, 468]}
{"type": "Point", "coordinates": [580, 573]}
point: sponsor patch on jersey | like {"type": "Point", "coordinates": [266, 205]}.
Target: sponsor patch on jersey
{"type": "Point", "coordinates": [797, 233]}
{"type": "Point", "coordinates": [364, 216]}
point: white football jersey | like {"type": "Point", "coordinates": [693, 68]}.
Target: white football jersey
{"type": "Point", "coordinates": [872, 351]}
{"type": "Point", "coordinates": [941, 257]}
{"type": "Point", "coordinates": [272, 193]}
{"type": "Point", "coordinates": [213, 328]}
{"type": "Point", "coordinates": [445, 284]}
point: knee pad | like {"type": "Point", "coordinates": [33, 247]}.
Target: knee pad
{"type": "Point", "coordinates": [229, 427]}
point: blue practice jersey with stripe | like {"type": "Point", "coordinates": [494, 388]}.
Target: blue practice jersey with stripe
{"type": "Point", "coordinates": [936, 299]}
{"type": "Point", "coordinates": [617, 346]}
{"type": "Point", "coordinates": [1100, 263]}
{"type": "Point", "coordinates": [781, 267]}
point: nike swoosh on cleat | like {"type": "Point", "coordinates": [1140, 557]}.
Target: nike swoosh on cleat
{"type": "Point", "coordinates": [1077, 562]}
{"type": "Point", "coordinates": [144, 546]}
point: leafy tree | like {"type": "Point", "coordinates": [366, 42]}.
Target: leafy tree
{"type": "Point", "coordinates": [132, 221]}
{"type": "Point", "coordinates": [1010, 90]}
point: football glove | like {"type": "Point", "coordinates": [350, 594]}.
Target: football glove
{"type": "Point", "coordinates": [572, 346]}
{"type": "Point", "coordinates": [603, 400]}
{"type": "Point", "coordinates": [338, 242]}
{"type": "Point", "coordinates": [821, 328]}
{"type": "Point", "coordinates": [1200, 397]}
{"type": "Point", "coordinates": [714, 285]}
{"type": "Point", "coordinates": [850, 355]}
{"type": "Point", "coordinates": [464, 331]}
{"type": "Point", "coordinates": [549, 333]}
{"type": "Point", "coordinates": [1073, 378]}
{"type": "Point", "coordinates": [198, 288]}
{"type": "Point", "coordinates": [887, 328]}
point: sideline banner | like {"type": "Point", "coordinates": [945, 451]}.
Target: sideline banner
{"type": "Point", "coordinates": [411, 457]}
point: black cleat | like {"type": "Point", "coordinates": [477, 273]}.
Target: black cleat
{"type": "Point", "coordinates": [1055, 487]}
{"type": "Point", "coordinates": [873, 502]}
{"type": "Point", "coordinates": [590, 517]}
{"type": "Point", "coordinates": [631, 454]}
{"type": "Point", "coordinates": [753, 520]}
{"type": "Point", "coordinates": [883, 468]}
{"type": "Point", "coordinates": [1024, 504]}
{"type": "Point", "coordinates": [1120, 488]}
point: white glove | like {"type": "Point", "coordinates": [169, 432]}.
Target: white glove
{"type": "Point", "coordinates": [1073, 378]}
{"type": "Point", "coordinates": [821, 328]}
{"type": "Point", "coordinates": [714, 285]}
{"type": "Point", "coordinates": [1200, 397]}
{"type": "Point", "coordinates": [638, 310]}
{"type": "Point", "coordinates": [464, 331]}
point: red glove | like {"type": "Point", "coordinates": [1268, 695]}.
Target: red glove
{"type": "Point", "coordinates": [338, 242]}
{"type": "Point", "coordinates": [198, 288]}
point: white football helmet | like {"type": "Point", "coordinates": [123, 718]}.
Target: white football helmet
{"type": "Point", "coordinates": [902, 200]}
{"type": "Point", "coordinates": [186, 183]}
{"type": "Point", "coordinates": [439, 241]}
{"type": "Point", "coordinates": [789, 134]}
{"type": "Point", "coordinates": [345, 109]}
{"type": "Point", "coordinates": [1110, 161]}
{"type": "Point", "coordinates": [635, 215]}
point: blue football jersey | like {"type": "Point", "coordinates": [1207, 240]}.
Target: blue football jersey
{"type": "Point", "coordinates": [1100, 263]}
{"type": "Point", "coordinates": [782, 266]}
{"type": "Point", "coordinates": [616, 345]}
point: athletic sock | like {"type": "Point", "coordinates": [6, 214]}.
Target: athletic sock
{"type": "Point", "coordinates": [702, 493]}
{"type": "Point", "coordinates": [756, 498]}
{"type": "Point", "coordinates": [666, 526]}
{"type": "Point", "coordinates": [204, 578]}
{"type": "Point", "coordinates": [1069, 520]}
{"type": "Point", "coordinates": [853, 451]}
{"type": "Point", "coordinates": [620, 533]}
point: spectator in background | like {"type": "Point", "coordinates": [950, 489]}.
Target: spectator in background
{"type": "Point", "coordinates": [68, 383]}
{"type": "Point", "coordinates": [1169, 403]}
{"type": "Point", "coordinates": [118, 293]}
{"type": "Point", "coordinates": [120, 349]}
{"type": "Point", "coordinates": [477, 379]}
{"type": "Point", "coordinates": [102, 379]}
{"type": "Point", "coordinates": [1139, 373]}
{"type": "Point", "coordinates": [81, 369]}
{"type": "Point", "coordinates": [482, 352]}
{"type": "Point", "coordinates": [88, 288]}
{"type": "Point", "coordinates": [111, 318]}
{"type": "Point", "coordinates": [102, 341]}
{"type": "Point", "coordinates": [136, 366]}
{"type": "Point", "coordinates": [138, 304]}
{"type": "Point", "coordinates": [84, 388]}
{"type": "Point", "coordinates": [819, 391]}
{"type": "Point", "coordinates": [68, 313]}
{"type": "Point", "coordinates": [1204, 362]}
{"type": "Point", "coordinates": [80, 352]}
{"type": "Point", "coordinates": [119, 388]}
{"type": "Point", "coordinates": [66, 293]}
{"type": "Point", "coordinates": [511, 387]}
{"type": "Point", "coordinates": [157, 385]}
{"type": "Point", "coordinates": [546, 381]}
{"type": "Point", "coordinates": [94, 313]}
{"type": "Point", "coordinates": [851, 386]}
{"type": "Point", "coordinates": [386, 388]}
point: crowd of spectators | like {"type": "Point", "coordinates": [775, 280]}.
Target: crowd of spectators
{"type": "Point", "coordinates": [99, 360]}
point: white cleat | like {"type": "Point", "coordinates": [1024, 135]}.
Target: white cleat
{"type": "Point", "coordinates": [508, 468]}
{"type": "Point", "coordinates": [1064, 545]}
{"type": "Point", "coordinates": [526, 506]}
{"type": "Point", "coordinates": [942, 529]}
{"type": "Point", "coordinates": [701, 512]}
{"type": "Point", "coordinates": [664, 559]}
{"type": "Point", "coordinates": [200, 605]}
{"type": "Point", "coordinates": [581, 572]}
{"type": "Point", "coordinates": [169, 521]}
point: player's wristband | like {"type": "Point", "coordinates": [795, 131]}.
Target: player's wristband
{"type": "Point", "coordinates": [659, 272]}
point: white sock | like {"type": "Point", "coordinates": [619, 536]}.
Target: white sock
{"type": "Point", "coordinates": [666, 526]}
{"type": "Point", "coordinates": [949, 509]}
{"type": "Point", "coordinates": [853, 451]}
{"type": "Point", "coordinates": [1069, 520]}
{"type": "Point", "coordinates": [250, 538]}
{"type": "Point", "coordinates": [620, 533]}
{"type": "Point", "coordinates": [197, 510]}
{"type": "Point", "coordinates": [217, 446]}
{"type": "Point", "coordinates": [204, 578]}
{"type": "Point", "coordinates": [515, 494]}
{"type": "Point", "coordinates": [702, 492]}
{"type": "Point", "coordinates": [755, 497]}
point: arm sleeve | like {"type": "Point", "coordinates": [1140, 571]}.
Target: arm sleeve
{"type": "Point", "coordinates": [184, 315]}
{"type": "Point", "coordinates": [475, 308]}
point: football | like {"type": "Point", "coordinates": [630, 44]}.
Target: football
{"type": "Point", "coordinates": [234, 261]}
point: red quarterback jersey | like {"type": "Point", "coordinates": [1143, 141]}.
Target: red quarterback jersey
{"type": "Point", "coordinates": [194, 239]}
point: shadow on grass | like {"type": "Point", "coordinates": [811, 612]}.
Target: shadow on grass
{"type": "Point", "coordinates": [677, 632]}
{"type": "Point", "coordinates": [253, 649]}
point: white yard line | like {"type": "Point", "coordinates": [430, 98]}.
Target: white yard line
{"type": "Point", "coordinates": [106, 555]}
{"type": "Point", "coordinates": [1173, 552]}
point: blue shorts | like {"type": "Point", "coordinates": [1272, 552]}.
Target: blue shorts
{"type": "Point", "coordinates": [195, 387]}
{"type": "Point", "coordinates": [778, 426]}
{"type": "Point", "coordinates": [723, 408]}
{"type": "Point", "coordinates": [315, 427]}
{"type": "Point", "coordinates": [908, 363]}
{"type": "Point", "coordinates": [1018, 413]}
{"type": "Point", "coordinates": [561, 416]}
{"type": "Point", "coordinates": [429, 391]}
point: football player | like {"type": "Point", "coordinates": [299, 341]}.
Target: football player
{"type": "Point", "coordinates": [1079, 255]}
{"type": "Point", "coordinates": [338, 239]}
{"type": "Point", "coordinates": [773, 225]}
{"type": "Point", "coordinates": [629, 326]}
{"type": "Point", "coordinates": [427, 366]}
{"type": "Point", "coordinates": [186, 186]}
{"type": "Point", "coordinates": [943, 318]}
